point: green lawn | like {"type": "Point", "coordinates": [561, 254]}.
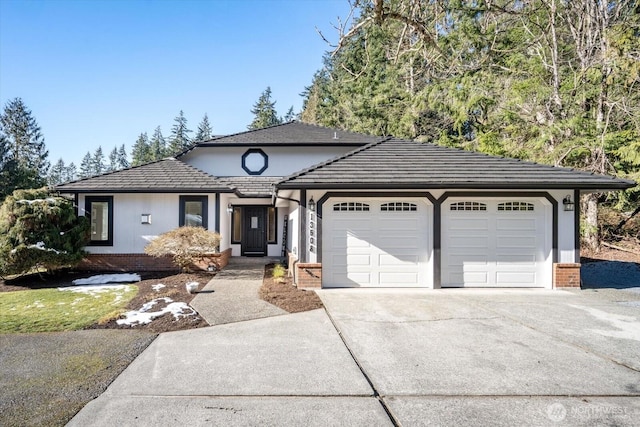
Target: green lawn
{"type": "Point", "coordinates": [51, 310]}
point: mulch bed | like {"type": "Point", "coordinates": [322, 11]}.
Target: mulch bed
{"type": "Point", "coordinates": [282, 293]}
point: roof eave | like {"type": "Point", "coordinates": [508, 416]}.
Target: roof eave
{"type": "Point", "coordinates": [459, 185]}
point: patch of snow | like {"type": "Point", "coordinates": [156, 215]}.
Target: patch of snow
{"type": "Point", "coordinates": [102, 279]}
{"type": "Point", "coordinates": [192, 286]}
{"type": "Point", "coordinates": [158, 287]}
{"type": "Point", "coordinates": [49, 200]}
{"type": "Point", "coordinates": [96, 290]}
{"type": "Point", "coordinates": [42, 247]}
{"type": "Point", "coordinates": [144, 316]}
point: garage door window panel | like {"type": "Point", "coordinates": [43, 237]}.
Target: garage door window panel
{"type": "Point", "coordinates": [468, 206]}
{"type": "Point", "coordinates": [398, 207]}
{"type": "Point", "coordinates": [351, 207]}
{"type": "Point", "coordinates": [516, 206]}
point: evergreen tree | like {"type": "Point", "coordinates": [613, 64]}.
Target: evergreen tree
{"type": "Point", "coordinates": [39, 229]}
{"type": "Point", "coordinates": [157, 146]}
{"type": "Point", "coordinates": [179, 139]}
{"type": "Point", "coordinates": [113, 160]}
{"type": "Point", "coordinates": [70, 172]}
{"type": "Point", "coordinates": [264, 112]}
{"type": "Point", "coordinates": [23, 155]}
{"type": "Point", "coordinates": [140, 153]}
{"type": "Point", "coordinates": [57, 173]}
{"type": "Point", "coordinates": [123, 161]}
{"type": "Point", "coordinates": [204, 131]}
{"type": "Point", "coordinates": [86, 166]}
{"type": "Point", "coordinates": [97, 162]}
{"type": "Point", "coordinates": [289, 116]}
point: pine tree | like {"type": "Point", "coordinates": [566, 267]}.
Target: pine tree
{"type": "Point", "coordinates": [57, 173]}
{"type": "Point", "coordinates": [264, 112]}
{"type": "Point", "coordinates": [179, 139]}
{"type": "Point", "coordinates": [70, 172]}
{"type": "Point", "coordinates": [97, 162]}
{"type": "Point", "coordinates": [204, 131]}
{"type": "Point", "coordinates": [123, 161]}
{"type": "Point", "coordinates": [86, 166]}
{"type": "Point", "coordinates": [23, 155]}
{"type": "Point", "coordinates": [141, 150]}
{"type": "Point", "coordinates": [289, 116]}
{"type": "Point", "coordinates": [157, 146]}
{"type": "Point", "coordinates": [113, 160]}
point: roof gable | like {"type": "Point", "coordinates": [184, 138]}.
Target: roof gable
{"type": "Point", "coordinates": [166, 175]}
{"type": "Point", "coordinates": [401, 164]}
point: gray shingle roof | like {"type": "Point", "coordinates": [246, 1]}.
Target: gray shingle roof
{"type": "Point", "coordinates": [164, 176]}
{"type": "Point", "coordinates": [291, 133]}
{"type": "Point", "coordinates": [399, 164]}
{"type": "Point", "coordinates": [251, 186]}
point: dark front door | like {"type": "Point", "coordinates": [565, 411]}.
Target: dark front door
{"type": "Point", "coordinates": [254, 236]}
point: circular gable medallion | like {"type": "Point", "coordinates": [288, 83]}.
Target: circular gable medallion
{"type": "Point", "coordinates": [255, 161]}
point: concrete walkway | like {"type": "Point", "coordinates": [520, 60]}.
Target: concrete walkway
{"type": "Point", "coordinates": [232, 295]}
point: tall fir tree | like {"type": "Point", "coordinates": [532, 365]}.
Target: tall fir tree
{"type": "Point", "coordinates": [97, 162]}
{"type": "Point", "coordinates": [140, 152]}
{"type": "Point", "coordinates": [70, 172]}
{"type": "Point", "coordinates": [264, 112]}
{"type": "Point", "coordinates": [57, 173]}
{"type": "Point", "coordinates": [204, 131]}
{"type": "Point", "coordinates": [86, 166]}
{"type": "Point", "coordinates": [157, 146]}
{"type": "Point", "coordinates": [123, 160]}
{"type": "Point", "coordinates": [23, 155]}
{"type": "Point", "coordinates": [113, 160]}
{"type": "Point", "coordinates": [179, 139]}
{"type": "Point", "coordinates": [289, 116]}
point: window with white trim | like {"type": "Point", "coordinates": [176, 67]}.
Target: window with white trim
{"type": "Point", "coordinates": [398, 207]}
{"type": "Point", "coordinates": [515, 206]}
{"type": "Point", "coordinates": [468, 206]}
{"type": "Point", "coordinates": [351, 207]}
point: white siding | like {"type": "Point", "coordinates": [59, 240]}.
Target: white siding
{"type": "Point", "coordinates": [283, 161]}
{"type": "Point", "coordinates": [129, 235]}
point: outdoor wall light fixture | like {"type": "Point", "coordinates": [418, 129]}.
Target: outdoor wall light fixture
{"type": "Point", "coordinates": [569, 205]}
{"type": "Point", "coordinates": [312, 205]}
{"type": "Point", "coordinates": [145, 219]}
{"type": "Point", "coordinates": [229, 208]}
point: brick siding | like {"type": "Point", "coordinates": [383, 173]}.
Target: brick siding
{"type": "Point", "coordinates": [566, 275]}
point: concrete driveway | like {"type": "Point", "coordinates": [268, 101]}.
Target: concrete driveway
{"type": "Point", "coordinates": [445, 357]}
{"type": "Point", "coordinates": [491, 357]}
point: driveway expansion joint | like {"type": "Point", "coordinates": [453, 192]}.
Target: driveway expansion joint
{"type": "Point", "coordinates": [376, 394]}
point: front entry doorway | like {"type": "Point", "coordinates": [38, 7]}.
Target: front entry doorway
{"type": "Point", "coordinates": [254, 233]}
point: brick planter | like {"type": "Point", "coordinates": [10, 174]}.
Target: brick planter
{"type": "Point", "coordinates": [144, 262]}
{"type": "Point", "coordinates": [309, 275]}
{"type": "Point", "coordinates": [566, 275]}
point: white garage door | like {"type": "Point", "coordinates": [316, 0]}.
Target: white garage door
{"type": "Point", "coordinates": [376, 243]}
{"type": "Point", "coordinates": [496, 242]}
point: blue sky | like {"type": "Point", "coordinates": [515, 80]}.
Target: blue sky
{"type": "Point", "coordinates": [98, 73]}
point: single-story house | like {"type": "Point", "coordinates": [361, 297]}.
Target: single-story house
{"type": "Point", "coordinates": [350, 210]}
